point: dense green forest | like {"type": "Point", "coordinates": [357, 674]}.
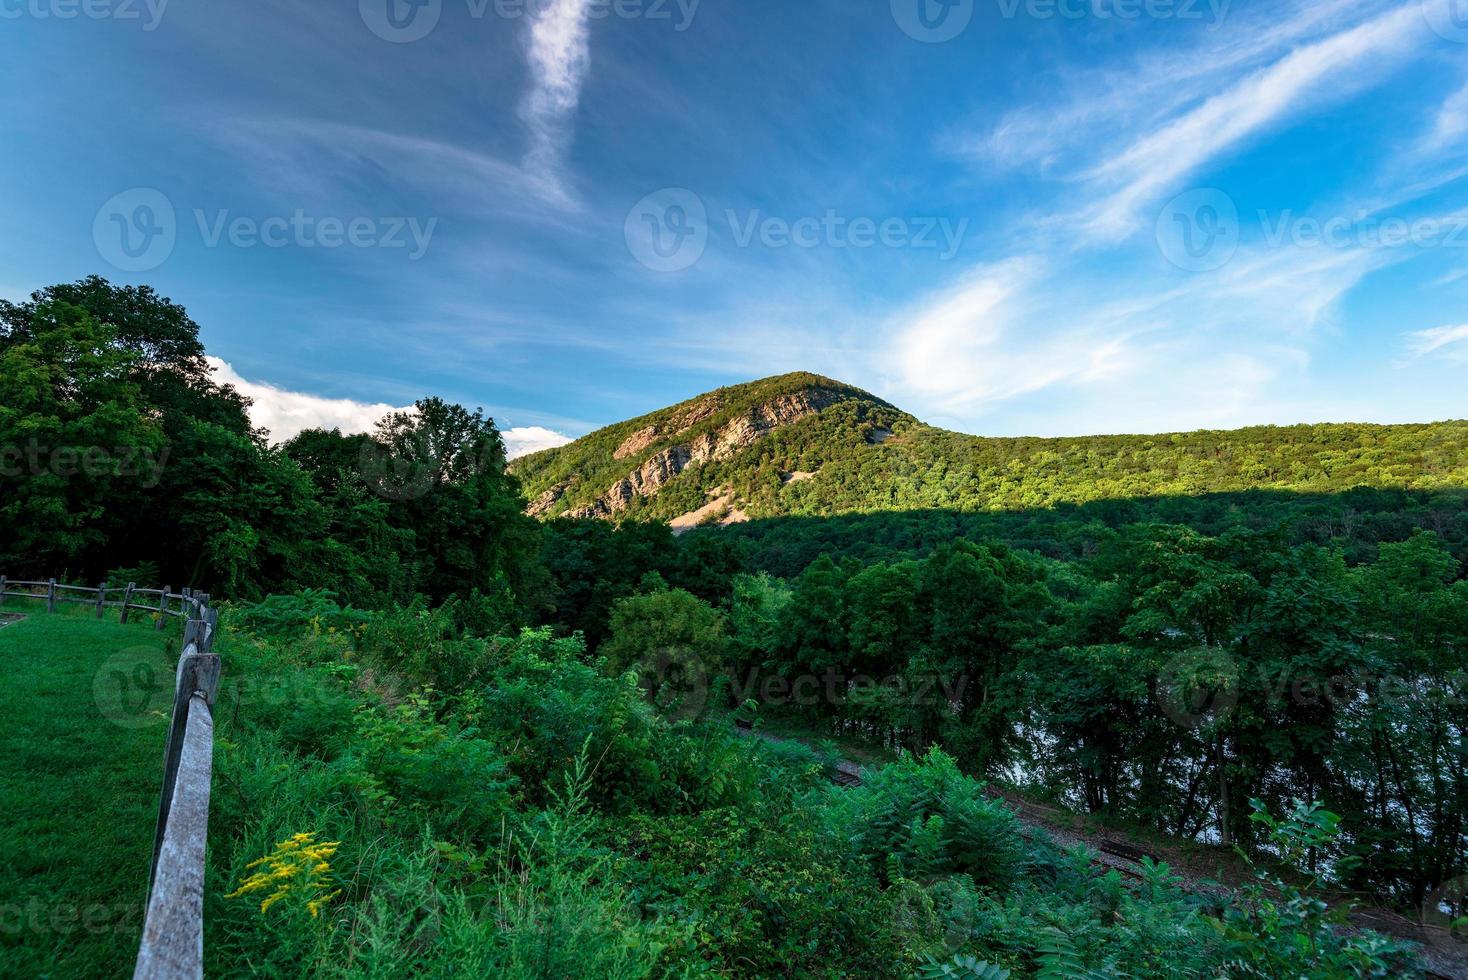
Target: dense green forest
{"type": "Point", "coordinates": [863, 456]}
{"type": "Point", "coordinates": [515, 733]}
{"type": "Point", "coordinates": [508, 807]}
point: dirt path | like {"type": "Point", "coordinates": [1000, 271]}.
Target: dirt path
{"type": "Point", "coordinates": [1444, 957]}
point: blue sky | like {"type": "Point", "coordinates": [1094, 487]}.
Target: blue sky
{"type": "Point", "coordinates": [1006, 216]}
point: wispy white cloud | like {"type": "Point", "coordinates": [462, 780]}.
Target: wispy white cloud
{"type": "Point", "coordinates": [1160, 158]}
{"type": "Point", "coordinates": [1099, 104]}
{"type": "Point", "coordinates": [286, 414]}
{"type": "Point", "coordinates": [1451, 124]}
{"type": "Point", "coordinates": [1447, 342]}
{"type": "Point", "coordinates": [1040, 340]}
{"type": "Point", "coordinates": [1092, 330]}
{"type": "Point", "coordinates": [967, 347]}
{"type": "Point", "coordinates": [559, 53]}
{"type": "Point", "coordinates": [317, 162]}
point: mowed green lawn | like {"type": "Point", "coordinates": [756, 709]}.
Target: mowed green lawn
{"type": "Point", "coordinates": [83, 711]}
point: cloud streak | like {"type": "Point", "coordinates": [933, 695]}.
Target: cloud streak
{"type": "Point", "coordinates": [1161, 158]}
{"type": "Point", "coordinates": [559, 54]}
{"type": "Point", "coordinates": [1448, 342]}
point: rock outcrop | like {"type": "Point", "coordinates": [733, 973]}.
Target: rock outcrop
{"type": "Point", "coordinates": [636, 442]}
{"type": "Point", "coordinates": [542, 505]}
{"type": "Point", "coordinates": [728, 439]}
{"type": "Point", "coordinates": [705, 408]}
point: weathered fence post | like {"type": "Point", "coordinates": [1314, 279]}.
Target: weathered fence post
{"type": "Point", "coordinates": [51, 596]}
{"type": "Point", "coordinates": [2, 588]}
{"type": "Point", "coordinates": [101, 598]}
{"type": "Point", "coordinates": [197, 674]}
{"type": "Point", "coordinates": [172, 946]}
{"type": "Point", "coordinates": [162, 610]}
{"type": "Point", "coordinates": [211, 623]}
{"type": "Point", "coordinates": [127, 598]}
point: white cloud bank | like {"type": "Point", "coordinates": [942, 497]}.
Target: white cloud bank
{"type": "Point", "coordinates": [286, 414]}
{"type": "Point", "coordinates": [531, 439]}
{"type": "Point", "coordinates": [289, 413]}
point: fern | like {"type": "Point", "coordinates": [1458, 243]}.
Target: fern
{"type": "Point", "coordinates": [1061, 960]}
{"type": "Point", "coordinates": [959, 967]}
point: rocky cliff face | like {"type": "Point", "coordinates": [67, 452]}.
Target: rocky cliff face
{"type": "Point", "coordinates": [542, 505]}
{"type": "Point", "coordinates": [730, 438]}
{"type": "Point", "coordinates": [636, 442]}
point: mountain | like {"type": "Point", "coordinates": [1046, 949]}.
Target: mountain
{"type": "Point", "coordinates": [805, 445]}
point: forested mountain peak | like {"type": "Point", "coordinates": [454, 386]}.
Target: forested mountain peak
{"type": "Point", "coordinates": [629, 467]}
{"type": "Point", "coordinates": [806, 445]}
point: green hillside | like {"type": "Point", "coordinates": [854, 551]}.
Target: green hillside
{"type": "Point", "coordinates": [572, 478]}
{"type": "Point", "coordinates": [844, 461]}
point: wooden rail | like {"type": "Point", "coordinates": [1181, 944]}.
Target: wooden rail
{"type": "Point", "coordinates": [188, 604]}
{"type": "Point", "coordinates": [173, 930]}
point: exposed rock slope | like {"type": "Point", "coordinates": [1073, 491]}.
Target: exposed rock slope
{"type": "Point", "coordinates": [622, 469]}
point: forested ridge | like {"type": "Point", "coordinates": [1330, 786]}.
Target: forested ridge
{"type": "Point", "coordinates": [515, 733]}
{"type": "Point", "coordinates": [919, 467]}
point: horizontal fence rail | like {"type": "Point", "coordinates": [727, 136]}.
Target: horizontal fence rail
{"type": "Point", "coordinates": [178, 605]}
{"type": "Point", "coordinates": [173, 930]}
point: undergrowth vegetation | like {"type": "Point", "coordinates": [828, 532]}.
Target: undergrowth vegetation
{"type": "Point", "coordinates": [527, 813]}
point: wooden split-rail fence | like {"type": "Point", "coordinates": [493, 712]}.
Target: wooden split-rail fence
{"type": "Point", "coordinates": [173, 927]}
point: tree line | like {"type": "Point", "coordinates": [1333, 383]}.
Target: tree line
{"type": "Point", "coordinates": [1162, 659]}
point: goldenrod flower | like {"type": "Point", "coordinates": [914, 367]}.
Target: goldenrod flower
{"type": "Point", "coordinates": [299, 865]}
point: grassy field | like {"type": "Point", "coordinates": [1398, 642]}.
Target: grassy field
{"type": "Point", "coordinates": [84, 706]}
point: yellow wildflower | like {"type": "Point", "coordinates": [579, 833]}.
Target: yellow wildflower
{"type": "Point", "coordinates": [299, 865]}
